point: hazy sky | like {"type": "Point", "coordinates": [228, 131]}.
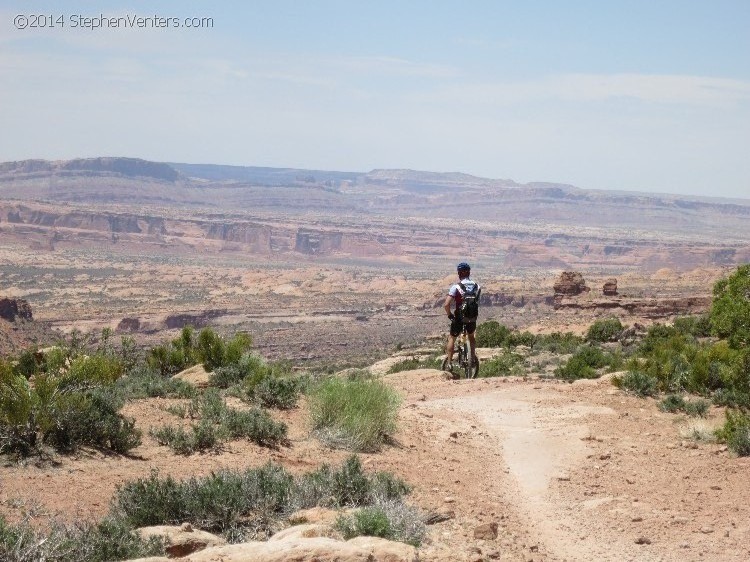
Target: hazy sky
{"type": "Point", "coordinates": [640, 95]}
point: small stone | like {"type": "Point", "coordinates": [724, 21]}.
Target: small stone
{"type": "Point", "coordinates": [564, 478]}
{"type": "Point", "coordinates": [637, 519]}
{"type": "Point", "coordinates": [454, 435]}
{"type": "Point", "coordinates": [488, 531]}
{"type": "Point", "coordinates": [186, 527]}
{"type": "Point", "coordinates": [707, 530]}
{"type": "Point", "coordinates": [605, 456]}
{"type": "Point", "coordinates": [643, 540]}
{"type": "Point", "coordinates": [716, 487]}
{"type": "Point", "coordinates": [449, 500]}
{"type": "Point", "coordinates": [630, 481]}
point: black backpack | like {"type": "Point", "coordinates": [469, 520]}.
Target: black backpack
{"type": "Point", "coordinates": [469, 303]}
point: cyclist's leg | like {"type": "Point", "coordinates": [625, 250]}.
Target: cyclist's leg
{"type": "Point", "coordinates": [449, 347]}
{"type": "Point", "coordinates": [455, 329]}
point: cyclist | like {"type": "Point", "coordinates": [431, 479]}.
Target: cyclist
{"type": "Point", "coordinates": [455, 295]}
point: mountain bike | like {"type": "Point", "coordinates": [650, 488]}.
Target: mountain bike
{"type": "Point", "coordinates": [466, 363]}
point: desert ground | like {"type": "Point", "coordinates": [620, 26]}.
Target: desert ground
{"type": "Point", "coordinates": [577, 471]}
{"type": "Point", "coordinates": [336, 273]}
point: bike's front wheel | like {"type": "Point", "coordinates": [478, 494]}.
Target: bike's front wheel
{"type": "Point", "coordinates": [471, 363]}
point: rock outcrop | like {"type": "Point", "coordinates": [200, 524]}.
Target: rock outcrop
{"type": "Point", "coordinates": [183, 540]}
{"type": "Point", "coordinates": [570, 284]}
{"type": "Point", "coordinates": [610, 287]}
{"type": "Point", "coordinates": [304, 543]}
{"type": "Point", "coordinates": [648, 308]}
{"type": "Point", "coordinates": [11, 309]}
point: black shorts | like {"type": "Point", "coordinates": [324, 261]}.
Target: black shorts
{"type": "Point", "coordinates": [457, 325]}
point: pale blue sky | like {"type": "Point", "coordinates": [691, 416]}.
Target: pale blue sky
{"type": "Point", "coordinates": [648, 96]}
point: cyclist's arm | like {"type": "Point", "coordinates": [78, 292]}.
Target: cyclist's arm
{"type": "Point", "coordinates": [447, 305]}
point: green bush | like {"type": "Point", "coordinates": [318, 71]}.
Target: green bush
{"type": "Point", "coordinates": [583, 364]}
{"type": "Point", "coordinates": [368, 521]}
{"type": "Point", "coordinates": [144, 382]}
{"type": "Point", "coordinates": [279, 392]}
{"type": "Point", "coordinates": [656, 335]}
{"type": "Point", "coordinates": [696, 326]}
{"type": "Point", "coordinates": [502, 366]}
{"type": "Point", "coordinates": [736, 432]}
{"type": "Point", "coordinates": [249, 369]}
{"type": "Point", "coordinates": [215, 352]}
{"type": "Point", "coordinates": [65, 408]}
{"type": "Point", "coordinates": [219, 423]}
{"type": "Point", "coordinates": [392, 520]}
{"type": "Point", "coordinates": [412, 363]}
{"type": "Point", "coordinates": [521, 338]}
{"type": "Point", "coordinates": [492, 334]}
{"type": "Point", "coordinates": [557, 342]}
{"type": "Point", "coordinates": [730, 310]}
{"type": "Point", "coordinates": [359, 415]}
{"type": "Point", "coordinates": [675, 403]}
{"type": "Point", "coordinates": [255, 425]}
{"type": "Point", "coordinates": [109, 540]}
{"type": "Point", "coordinates": [175, 356]}
{"type": "Point", "coordinates": [605, 330]}
{"type": "Point", "coordinates": [256, 498]}
{"type": "Point", "coordinates": [638, 383]}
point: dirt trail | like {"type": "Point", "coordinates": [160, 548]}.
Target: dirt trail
{"type": "Point", "coordinates": [577, 472]}
{"type": "Point", "coordinates": [540, 444]}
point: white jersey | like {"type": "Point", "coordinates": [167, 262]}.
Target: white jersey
{"type": "Point", "coordinates": [457, 292]}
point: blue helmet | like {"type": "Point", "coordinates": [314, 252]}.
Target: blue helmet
{"type": "Point", "coordinates": [463, 266]}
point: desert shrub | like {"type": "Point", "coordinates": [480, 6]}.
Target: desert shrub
{"type": "Point", "coordinates": [557, 342]}
{"type": "Point", "coordinates": [175, 356]}
{"type": "Point", "coordinates": [411, 363]}
{"type": "Point", "coordinates": [279, 392]}
{"type": "Point", "coordinates": [502, 366]}
{"type": "Point", "coordinates": [249, 369]}
{"type": "Point", "coordinates": [144, 382]}
{"type": "Point", "coordinates": [520, 338]}
{"type": "Point", "coordinates": [656, 335]}
{"type": "Point", "coordinates": [696, 326]}
{"type": "Point", "coordinates": [368, 521]}
{"type": "Point", "coordinates": [108, 540]}
{"type": "Point", "coordinates": [736, 432]}
{"type": "Point", "coordinates": [215, 352]}
{"type": "Point", "coordinates": [359, 415]}
{"type": "Point", "coordinates": [672, 403]}
{"type": "Point", "coordinates": [27, 364]}
{"type": "Point", "coordinates": [730, 309]}
{"type": "Point", "coordinates": [65, 410]}
{"type": "Point", "coordinates": [604, 330]}
{"type": "Point", "coordinates": [583, 364]}
{"type": "Point", "coordinates": [255, 498]}
{"type": "Point", "coordinates": [638, 383]}
{"type": "Point", "coordinates": [219, 423]}
{"type": "Point", "coordinates": [255, 425]}
{"type": "Point", "coordinates": [492, 334]}
{"type": "Point", "coordinates": [200, 437]}
{"type": "Point", "coordinates": [675, 403]}
{"type": "Point", "coordinates": [392, 520]}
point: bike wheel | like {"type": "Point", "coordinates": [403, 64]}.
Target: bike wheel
{"type": "Point", "coordinates": [472, 363]}
{"type": "Point", "coordinates": [446, 362]}
{"type": "Point", "coordinates": [475, 368]}
{"type": "Point", "coordinates": [467, 360]}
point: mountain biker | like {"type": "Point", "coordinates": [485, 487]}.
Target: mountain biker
{"type": "Point", "coordinates": [455, 295]}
